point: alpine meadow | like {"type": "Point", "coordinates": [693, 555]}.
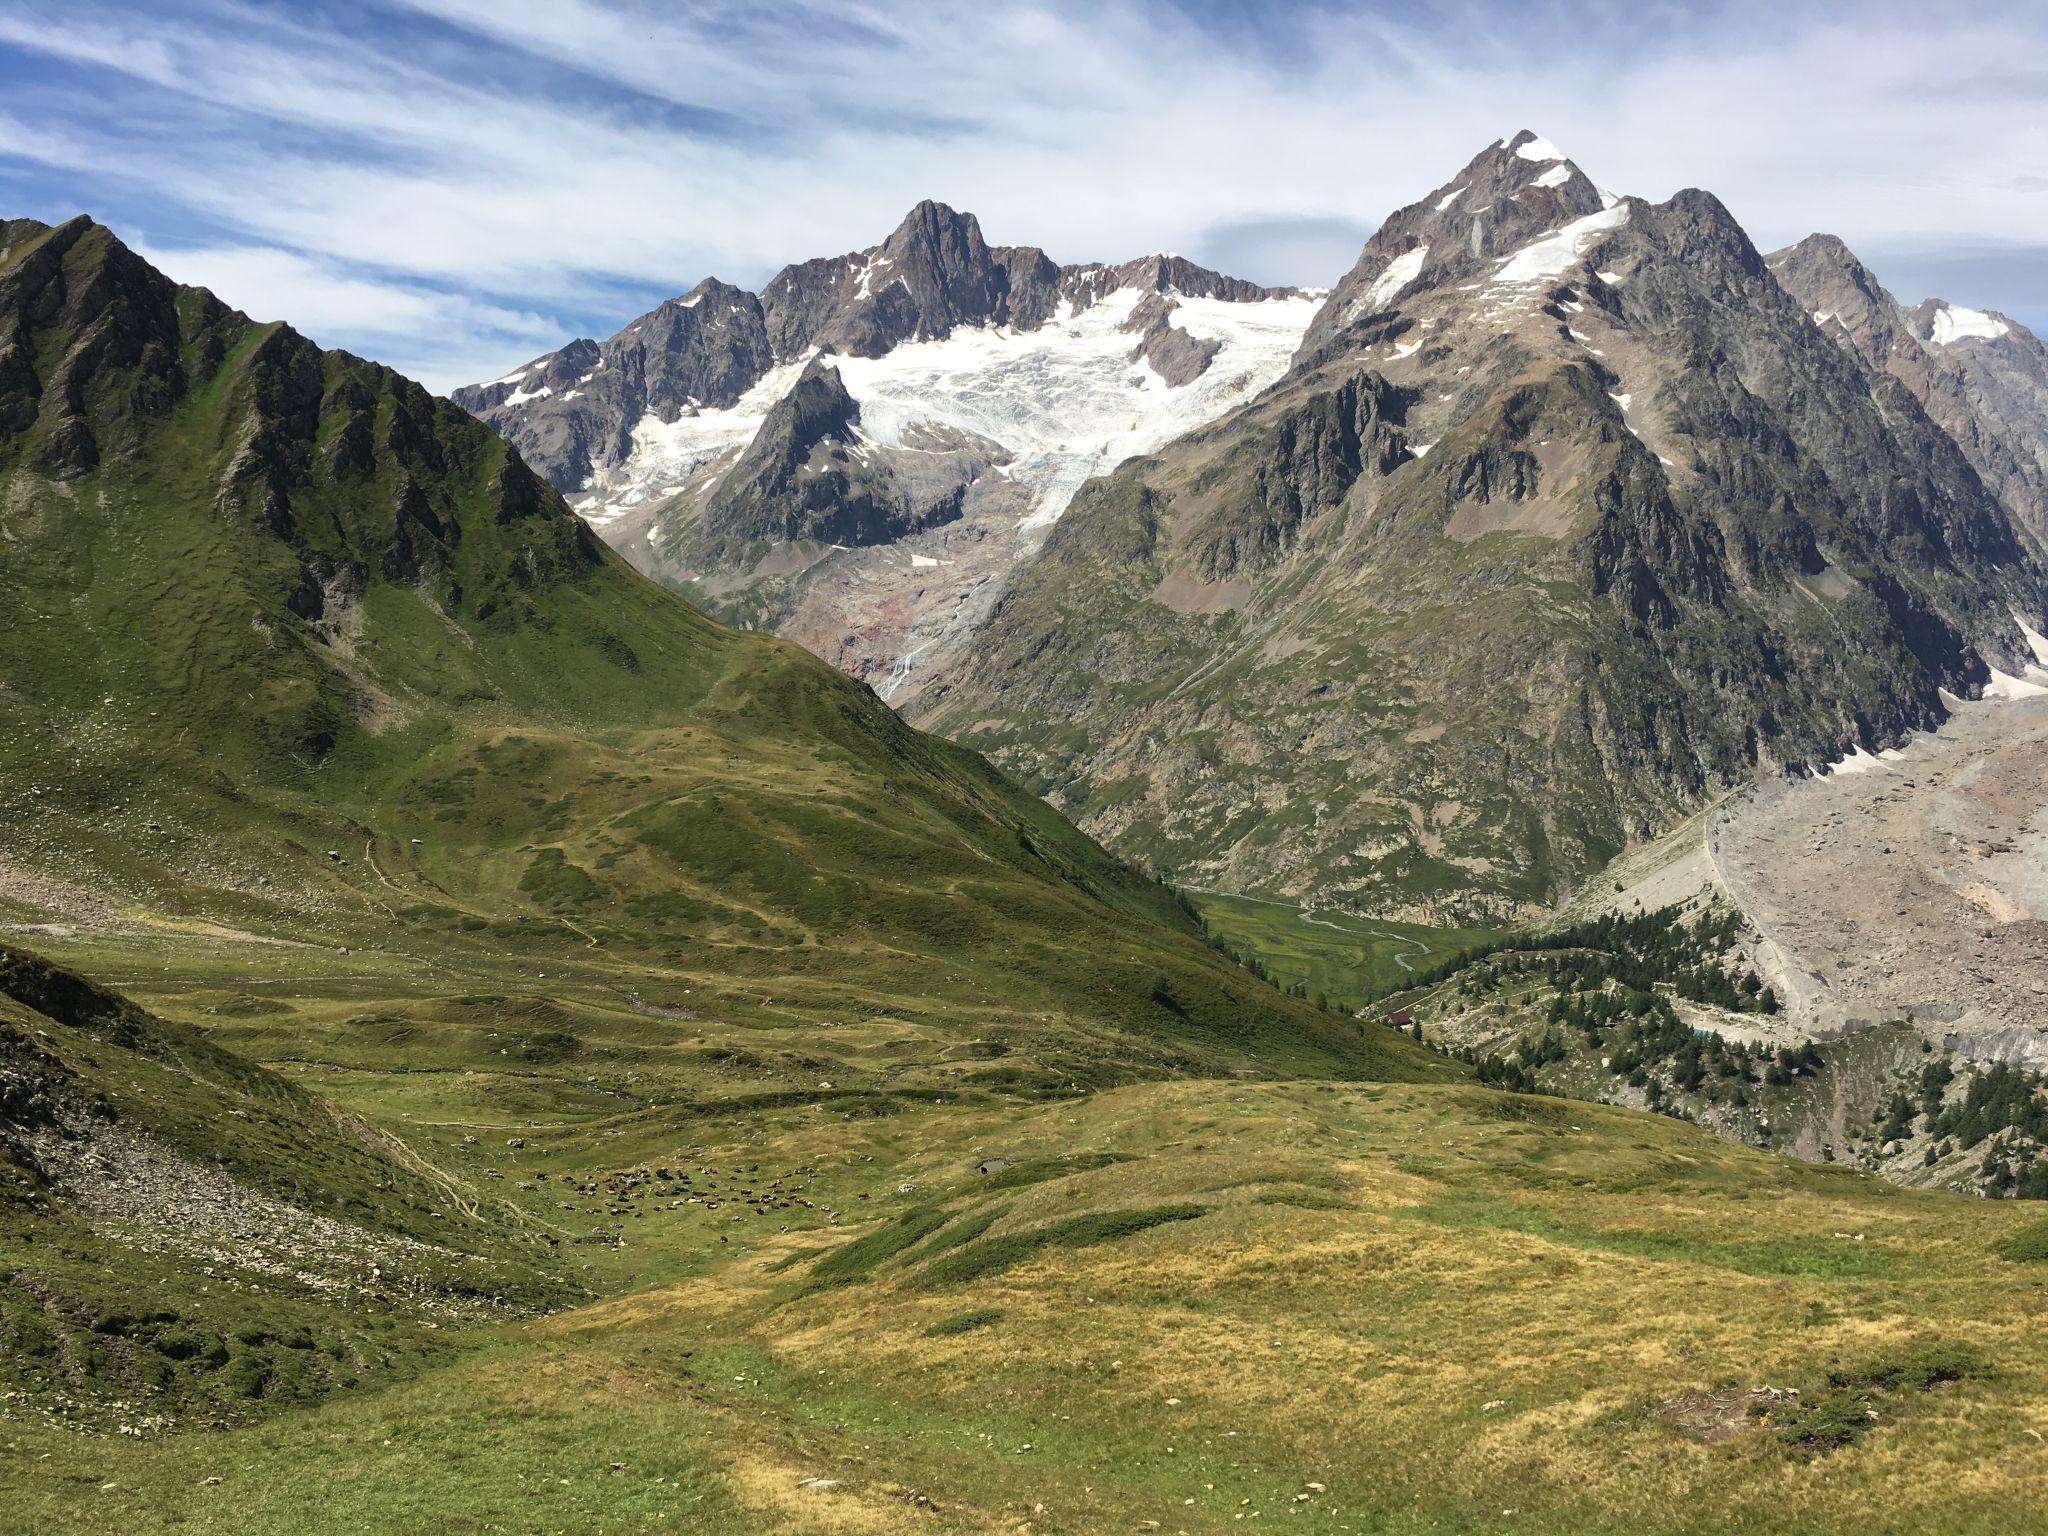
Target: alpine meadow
{"type": "Point", "coordinates": [1387, 877]}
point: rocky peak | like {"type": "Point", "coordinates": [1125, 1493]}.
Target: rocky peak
{"type": "Point", "coordinates": [126, 362]}
{"type": "Point", "coordinates": [1843, 296]}
{"type": "Point", "coordinates": [1163, 273]}
{"type": "Point", "coordinates": [1980, 375]}
{"type": "Point", "coordinates": [934, 273]}
{"type": "Point", "coordinates": [1512, 193]}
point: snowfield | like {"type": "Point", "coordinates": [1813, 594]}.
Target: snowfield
{"type": "Point", "coordinates": [1067, 400]}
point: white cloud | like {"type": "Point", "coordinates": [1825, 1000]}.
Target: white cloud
{"type": "Point", "coordinates": [732, 138]}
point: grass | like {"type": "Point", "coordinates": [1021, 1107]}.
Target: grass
{"type": "Point", "coordinates": [2028, 1245]}
{"type": "Point", "coordinates": [1238, 1357]}
{"type": "Point", "coordinates": [1348, 960]}
{"type": "Point", "coordinates": [979, 1260]}
{"type": "Point", "coordinates": [964, 1322]}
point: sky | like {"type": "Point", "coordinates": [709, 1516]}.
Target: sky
{"type": "Point", "coordinates": [456, 186]}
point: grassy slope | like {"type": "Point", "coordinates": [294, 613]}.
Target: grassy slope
{"type": "Point", "coordinates": [519, 738]}
{"type": "Point", "coordinates": [1349, 960]}
{"type": "Point", "coordinates": [1453, 1311]}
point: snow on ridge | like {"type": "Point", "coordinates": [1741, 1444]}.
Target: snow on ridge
{"type": "Point", "coordinates": [1556, 176]}
{"type": "Point", "coordinates": [514, 378]}
{"type": "Point", "coordinates": [1953, 323]}
{"type": "Point", "coordinates": [1443, 203]}
{"type": "Point", "coordinates": [1398, 274]}
{"type": "Point", "coordinates": [1539, 149]}
{"type": "Point", "coordinates": [1554, 253]}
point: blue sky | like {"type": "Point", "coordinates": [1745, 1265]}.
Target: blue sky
{"type": "Point", "coordinates": [456, 185]}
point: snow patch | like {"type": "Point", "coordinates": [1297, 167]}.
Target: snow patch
{"type": "Point", "coordinates": [1556, 176]}
{"type": "Point", "coordinates": [521, 396]}
{"type": "Point", "coordinates": [1858, 761]}
{"type": "Point", "coordinates": [1557, 251]}
{"type": "Point", "coordinates": [1399, 273]}
{"type": "Point", "coordinates": [1953, 323]}
{"type": "Point", "coordinates": [2005, 686]}
{"type": "Point", "coordinates": [2036, 641]}
{"type": "Point", "coordinates": [1443, 203]}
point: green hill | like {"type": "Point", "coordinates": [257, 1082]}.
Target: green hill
{"type": "Point", "coordinates": [294, 649]}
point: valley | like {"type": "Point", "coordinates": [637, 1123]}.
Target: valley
{"type": "Point", "coordinates": [1491, 977]}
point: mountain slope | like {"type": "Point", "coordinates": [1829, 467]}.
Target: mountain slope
{"type": "Point", "coordinates": [984, 384]}
{"type": "Point", "coordinates": [1565, 519]}
{"type": "Point", "coordinates": [1983, 377]}
{"type": "Point", "coordinates": [290, 645]}
{"type": "Point", "coordinates": [187, 1231]}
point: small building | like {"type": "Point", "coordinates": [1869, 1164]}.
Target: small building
{"type": "Point", "coordinates": [1401, 1018]}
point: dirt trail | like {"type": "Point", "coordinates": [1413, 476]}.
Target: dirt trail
{"type": "Point", "coordinates": [1912, 884]}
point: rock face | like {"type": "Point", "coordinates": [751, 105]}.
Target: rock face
{"type": "Point", "coordinates": [933, 274]}
{"type": "Point", "coordinates": [987, 383]}
{"type": "Point", "coordinates": [1981, 375]}
{"type": "Point", "coordinates": [576, 409]}
{"type": "Point", "coordinates": [1566, 518]}
{"type": "Point", "coordinates": [806, 475]}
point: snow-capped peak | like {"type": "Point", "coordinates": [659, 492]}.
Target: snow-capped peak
{"type": "Point", "coordinates": [1539, 149]}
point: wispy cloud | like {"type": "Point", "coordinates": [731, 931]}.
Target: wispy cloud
{"type": "Point", "coordinates": [455, 184]}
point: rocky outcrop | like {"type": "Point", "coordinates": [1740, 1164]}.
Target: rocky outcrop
{"type": "Point", "coordinates": [577, 408]}
{"type": "Point", "coordinates": [807, 476]}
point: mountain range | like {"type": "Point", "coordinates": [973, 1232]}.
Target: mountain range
{"type": "Point", "coordinates": [859, 457]}
{"type": "Point", "coordinates": [1562, 514]}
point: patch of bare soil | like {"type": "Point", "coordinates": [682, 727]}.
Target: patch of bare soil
{"type": "Point", "coordinates": [1712, 1417]}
